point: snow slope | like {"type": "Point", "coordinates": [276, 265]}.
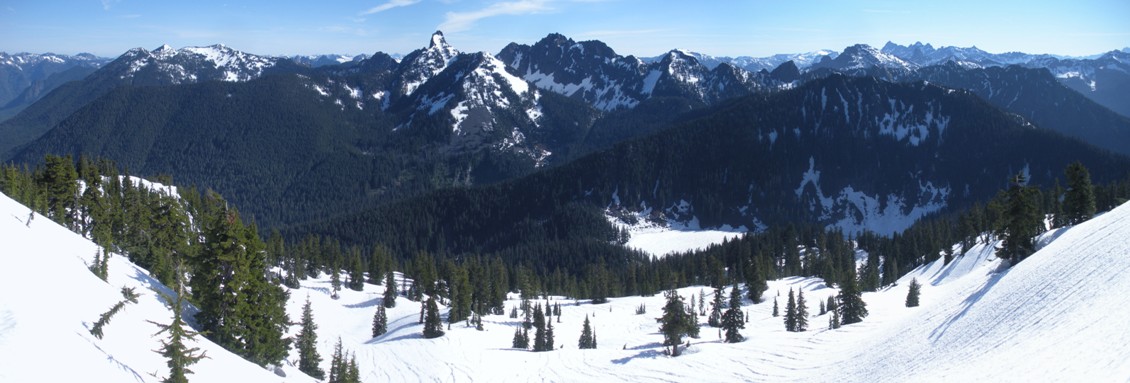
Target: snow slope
{"type": "Point", "coordinates": [49, 300]}
{"type": "Point", "coordinates": [1057, 316]}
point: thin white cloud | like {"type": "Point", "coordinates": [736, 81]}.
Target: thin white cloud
{"type": "Point", "coordinates": [461, 21]}
{"type": "Point", "coordinates": [389, 5]}
{"type": "Point", "coordinates": [106, 4]}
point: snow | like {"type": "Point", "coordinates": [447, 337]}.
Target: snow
{"type": "Point", "coordinates": [650, 81]}
{"type": "Point", "coordinates": [46, 311]}
{"type": "Point", "coordinates": [1057, 316]}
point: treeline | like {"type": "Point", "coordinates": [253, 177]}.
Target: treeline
{"type": "Point", "coordinates": [241, 304]}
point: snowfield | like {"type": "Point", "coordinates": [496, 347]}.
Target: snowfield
{"type": "Point", "coordinates": [1058, 316]}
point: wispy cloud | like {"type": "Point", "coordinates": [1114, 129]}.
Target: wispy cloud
{"type": "Point", "coordinates": [106, 4]}
{"type": "Point", "coordinates": [389, 5]}
{"type": "Point", "coordinates": [461, 21]}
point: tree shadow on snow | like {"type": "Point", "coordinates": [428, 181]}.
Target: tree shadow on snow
{"type": "Point", "coordinates": [369, 303]}
{"type": "Point", "coordinates": [650, 354]}
{"type": "Point", "coordinates": [380, 339]}
{"type": "Point", "coordinates": [969, 302]}
{"type": "Point", "coordinates": [113, 360]}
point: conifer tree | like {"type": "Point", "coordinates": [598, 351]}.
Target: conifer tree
{"type": "Point", "coordinates": [1079, 201]}
{"type": "Point", "coordinates": [389, 300]}
{"type": "Point", "coordinates": [675, 322]}
{"type": "Point", "coordinates": [912, 293]}
{"type": "Point", "coordinates": [380, 322]}
{"type": "Point", "coordinates": [549, 336]}
{"type": "Point", "coordinates": [790, 313]}
{"type": "Point", "coordinates": [356, 270]}
{"type": "Point", "coordinates": [834, 320]}
{"type": "Point", "coordinates": [702, 302]}
{"type": "Point", "coordinates": [587, 341]}
{"type": "Point", "coordinates": [823, 309]}
{"type": "Point", "coordinates": [433, 325]}
{"type": "Point", "coordinates": [851, 307]}
{"type": "Point", "coordinates": [309, 361]}
{"type": "Point", "coordinates": [733, 319]}
{"type": "Point", "coordinates": [776, 311]}
{"type": "Point", "coordinates": [179, 355]}
{"type": "Point", "coordinates": [539, 329]}
{"type": "Point", "coordinates": [1021, 223]}
{"type": "Point", "coordinates": [520, 340]}
{"type": "Point", "coordinates": [801, 312]}
{"type": "Point", "coordinates": [715, 319]}
{"type": "Point", "coordinates": [335, 282]}
{"type": "Point", "coordinates": [337, 364]}
{"type": "Point", "coordinates": [104, 319]}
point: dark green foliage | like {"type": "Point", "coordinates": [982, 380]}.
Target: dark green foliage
{"type": "Point", "coordinates": [1079, 201]}
{"type": "Point", "coordinates": [335, 282]}
{"type": "Point", "coordinates": [521, 338]}
{"type": "Point", "coordinates": [433, 325]}
{"type": "Point", "coordinates": [240, 308]}
{"type": "Point", "coordinates": [356, 270]}
{"type": "Point", "coordinates": [675, 322]}
{"type": "Point", "coordinates": [716, 307]}
{"type": "Point", "coordinates": [790, 313]}
{"type": "Point", "coordinates": [338, 365]}
{"type": "Point", "coordinates": [1022, 222]}
{"type": "Point", "coordinates": [104, 319]}
{"type": "Point", "coordinates": [834, 320]}
{"type": "Point", "coordinates": [823, 309]}
{"type": "Point", "coordinates": [587, 341]}
{"type": "Point", "coordinates": [101, 265]}
{"type": "Point", "coordinates": [175, 349]}
{"type": "Point", "coordinates": [642, 309]}
{"type": "Point", "coordinates": [380, 321]}
{"type": "Point", "coordinates": [389, 300]}
{"type": "Point", "coordinates": [306, 341]}
{"type": "Point", "coordinates": [733, 319]}
{"type": "Point", "coordinates": [549, 336]}
{"type": "Point", "coordinates": [776, 311]}
{"type": "Point", "coordinates": [801, 312]}
{"type": "Point", "coordinates": [539, 325]}
{"type": "Point", "coordinates": [912, 293]}
{"type": "Point", "coordinates": [851, 307]}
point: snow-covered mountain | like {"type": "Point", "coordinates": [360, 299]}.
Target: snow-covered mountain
{"type": "Point", "coordinates": [863, 59]}
{"type": "Point", "coordinates": [422, 64]}
{"type": "Point", "coordinates": [755, 64]}
{"type": "Point", "coordinates": [315, 61]}
{"type": "Point", "coordinates": [1053, 317]}
{"type": "Point", "coordinates": [25, 77]}
{"type": "Point", "coordinates": [593, 72]}
{"type": "Point", "coordinates": [1104, 78]}
{"type": "Point", "coordinates": [166, 65]}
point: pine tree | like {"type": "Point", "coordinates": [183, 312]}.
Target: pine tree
{"type": "Point", "coordinates": [912, 293]}
{"type": "Point", "coordinates": [352, 372]}
{"type": "Point", "coordinates": [520, 340]}
{"type": "Point", "coordinates": [823, 309]}
{"type": "Point", "coordinates": [776, 311]}
{"type": "Point", "coordinates": [549, 336]}
{"type": "Point", "coordinates": [801, 312]}
{"type": "Point", "coordinates": [587, 341]}
{"type": "Point", "coordinates": [433, 325]}
{"type": "Point", "coordinates": [309, 361]}
{"type": "Point", "coordinates": [1079, 201]}
{"type": "Point", "coordinates": [389, 300]}
{"type": "Point", "coordinates": [335, 282]}
{"type": "Point", "coordinates": [834, 320]}
{"type": "Point", "coordinates": [539, 329]}
{"type": "Point", "coordinates": [356, 270]}
{"type": "Point", "coordinates": [702, 302]}
{"type": "Point", "coordinates": [179, 355]}
{"type": "Point", "coordinates": [380, 322]}
{"type": "Point", "coordinates": [733, 319]}
{"type": "Point", "coordinates": [715, 319]}
{"type": "Point", "coordinates": [337, 364]}
{"type": "Point", "coordinates": [852, 309]}
{"type": "Point", "coordinates": [104, 319]}
{"type": "Point", "coordinates": [790, 313]}
{"type": "Point", "coordinates": [1021, 223]}
{"type": "Point", "coordinates": [675, 322]}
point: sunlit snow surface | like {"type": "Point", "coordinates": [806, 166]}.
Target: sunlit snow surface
{"type": "Point", "coordinates": [1057, 316]}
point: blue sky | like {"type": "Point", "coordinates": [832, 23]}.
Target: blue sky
{"type": "Point", "coordinates": [639, 27]}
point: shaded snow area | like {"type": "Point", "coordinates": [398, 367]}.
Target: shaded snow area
{"type": "Point", "coordinates": [1057, 316]}
{"type": "Point", "coordinates": [663, 238]}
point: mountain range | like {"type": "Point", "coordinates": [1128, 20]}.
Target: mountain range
{"type": "Point", "coordinates": [312, 144]}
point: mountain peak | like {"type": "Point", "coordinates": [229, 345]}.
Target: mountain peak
{"type": "Point", "coordinates": [438, 40]}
